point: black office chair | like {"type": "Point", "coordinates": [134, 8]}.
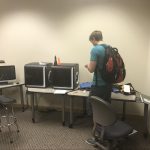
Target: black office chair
{"type": "Point", "coordinates": [7, 116]}
{"type": "Point", "coordinates": [108, 130]}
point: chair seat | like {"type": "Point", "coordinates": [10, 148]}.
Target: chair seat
{"type": "Point", "coordinates": [118, 130]}
{"type": "Point", "coordinates": [6, 100]}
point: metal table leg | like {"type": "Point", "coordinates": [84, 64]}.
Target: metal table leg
{"type": "Point", "coordinates": [145, 120]}
{"type": "Point", "coordinates": [124, 111]}
{"type": "Point", "coordinates": [36, 100]}
{"type": "Point", "coordinates": [71, 115]}
{"type": "Point", "coordinates": [21, 97]}
{"type": "Point", "coordinates": [84, 106]}
{"type": "Point", "coordinates": [63, 110]}
{"type": "Point", "coordinates": [1, 92]}
{"type": "Point", "coordinates": [33, 109]}
{"type": "Point", "coordinates": [26, 98]}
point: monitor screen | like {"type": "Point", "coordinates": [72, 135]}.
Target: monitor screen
{"type": "Point", "coordinates": [7, 73]}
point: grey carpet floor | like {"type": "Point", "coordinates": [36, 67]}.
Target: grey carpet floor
{"type": "Point", "coordinates": [49, 134]}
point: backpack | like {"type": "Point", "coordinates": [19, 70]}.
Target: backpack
{"type": "Point", "coordinates": [113, 69]}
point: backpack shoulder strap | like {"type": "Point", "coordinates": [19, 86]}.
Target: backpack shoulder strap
{"type": "Point", "coordinates": [104, 45]}
{"type": "Point", "coordinates": [96, 69]}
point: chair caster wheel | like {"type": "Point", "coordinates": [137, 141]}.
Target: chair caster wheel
{"type": "Point", "coordinates": [33, 120]}
{"type": "Point", "coordinates": [11, 142]}
{"type": "Point", "coordinates": [63, 123]}
{"type": "Point", "coordinates": [70, 125]}
{"type": "Point", "coordinates": [145, 135]}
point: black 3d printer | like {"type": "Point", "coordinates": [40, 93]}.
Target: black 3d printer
{"type": "Point", "coordinates": [62, 76]}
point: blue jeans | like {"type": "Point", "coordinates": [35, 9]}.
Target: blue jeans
{"type": "Point", "coordinates": [103, 92]}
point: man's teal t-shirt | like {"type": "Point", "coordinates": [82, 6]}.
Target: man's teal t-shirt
{"type": "Point", "coordinates": [97, 54]}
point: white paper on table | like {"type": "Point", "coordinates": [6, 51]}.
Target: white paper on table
{"type": "Point", "coordinates": [126, 88]}
{"type": "Point", "coordinates": [60, 91]}
{"type": "Point", "coordinates": [146, 100]}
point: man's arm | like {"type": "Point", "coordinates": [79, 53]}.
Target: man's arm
{"type": "Point", "coordinates": [91, 66]}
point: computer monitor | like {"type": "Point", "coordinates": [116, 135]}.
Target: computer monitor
{"type": "Point", "coordinates": [7, 73]}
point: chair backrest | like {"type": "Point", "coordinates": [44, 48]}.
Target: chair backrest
{"type": "Point", "coordinates": [103, 113]}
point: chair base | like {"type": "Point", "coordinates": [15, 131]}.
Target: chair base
{"type": "Point", "coordinates": [8, 119]}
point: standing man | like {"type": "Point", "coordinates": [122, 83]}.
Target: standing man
{"type": "Point", "coordinates": [99, 87]}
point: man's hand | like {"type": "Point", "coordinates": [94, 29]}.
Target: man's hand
{"type": "Point", "coordinates": [91, 66]}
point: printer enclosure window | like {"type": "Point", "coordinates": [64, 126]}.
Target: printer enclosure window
{"type": "Point", "coordinates": [34, 78]}
{"type": "Point", "coordinates": [61, 77]}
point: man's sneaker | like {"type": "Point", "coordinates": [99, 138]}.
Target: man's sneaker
{"type": "Point", "coordinates": [91, 141]}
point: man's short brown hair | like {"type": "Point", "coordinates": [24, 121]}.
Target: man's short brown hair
{"type": "Point", "coordinates": [97, 35]}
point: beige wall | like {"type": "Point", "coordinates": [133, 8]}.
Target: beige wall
{"type": "Point", "coordinates": [148, 72]}
{"type": "Point", "coordinates": [35, 30]}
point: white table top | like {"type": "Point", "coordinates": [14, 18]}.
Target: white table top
{"type": "Point", "coordinates": [114, 96]}
{"type": "Point", "coordinates": [47, 90]}
{"type": "Point", "coordinates": [119, 96]}
{"type": "Point", "coordinates": [10, 85]}
{"type": "Point", "coordinates": [82, 93]}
